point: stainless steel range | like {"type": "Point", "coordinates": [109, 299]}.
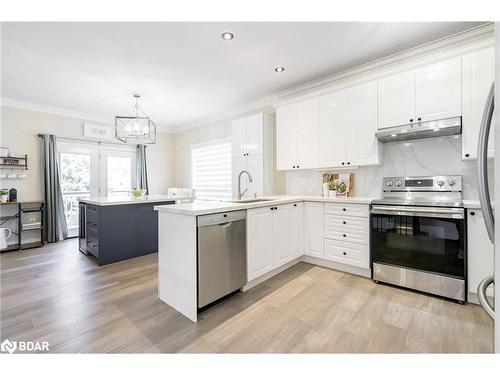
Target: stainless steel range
{"type": "Point", "coordinates": [418, 235]}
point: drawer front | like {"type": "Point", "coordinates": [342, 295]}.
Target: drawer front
{"type": "Point", "coordinates": [92, 216]}
{"type": "Point", "coordinates": [93, 247]}
{"type": "Point", "coordinates": [347, 235]}
{"type": "Point", "coordinates": [347, 222]}
{"type": "Point", "coordinates": [349, 209]}
{"type": "Point", "coordinates": [92, 225]}
{"type": "Point", "coordinates": [347, 253]}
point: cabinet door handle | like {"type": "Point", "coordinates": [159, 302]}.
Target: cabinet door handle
{"type": "Point", "coordinates": [343, 209]}
{"type": "Point", "coordinates": [344, 235]}
{"type": "Point", "coordinates": [343, 222]}
{"type": "Point", "coordinates": [472, 213]}
{"type": "Point", "coordinates": [343, 163]}
{"type": "Point", "coordinates": [419, 119]}
{"type": "Point", "coordinates": [293, 167]}
{"type": "Point", "coordinates": [467, 155]}
{"type": "Point", "coordinates": [295, 205]}
{"type": "Point", "coordinates": [411, 120]}
{"type": "Point", "coordinates": [348, 163]}
{"type": "Point", "coordinates": [344, 253]}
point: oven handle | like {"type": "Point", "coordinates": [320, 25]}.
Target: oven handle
{"type": "Point", "coordinates": [445, 213]}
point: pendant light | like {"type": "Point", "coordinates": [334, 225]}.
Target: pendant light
{"type": "Point", "coordinates": [137, 128]}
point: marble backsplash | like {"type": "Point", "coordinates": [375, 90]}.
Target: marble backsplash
{"type": "Point", "coordinates": [425, 157]}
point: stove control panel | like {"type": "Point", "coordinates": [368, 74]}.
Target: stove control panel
{"type": "Point", "coordinates": [429, 183]}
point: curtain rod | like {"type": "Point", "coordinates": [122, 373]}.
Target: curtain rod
{"type": "Point", "coordinates": [91, 141]}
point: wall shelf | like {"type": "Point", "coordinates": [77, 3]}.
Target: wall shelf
{"type": "Point", "coordinates": [14, 162]}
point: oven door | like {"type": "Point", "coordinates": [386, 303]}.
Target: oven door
{"type": "Point", "coordinates": [430, 239]}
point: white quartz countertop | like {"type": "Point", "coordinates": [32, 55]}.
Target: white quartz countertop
{"type": "Point", "coordinates": [203, 207]}
{"type": "Point", "coordinates": [470, 203]}
{"type": "Point", "coordinates": [109, 201]}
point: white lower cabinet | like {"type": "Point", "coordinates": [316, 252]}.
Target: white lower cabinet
{"type": "Point", "coordinates": [480, 250]}
{"type": "Point", "coordinates": [347, 253]}
{"type": "Point", "coordinates": [314, 229]}
{"type": "Point", "coordinates": [347, 234]}
{"type": "Point", "coordinates": [259, 242]}
{"type": "Point", "coordinates": [274, 237]}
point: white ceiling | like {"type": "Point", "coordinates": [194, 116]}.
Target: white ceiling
{"type": "Point", "coordinates": [184, 71]}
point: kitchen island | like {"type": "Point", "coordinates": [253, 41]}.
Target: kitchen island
{"type": "Point", "coordinates": [267, 253]}
{"type": "Point", "coordinates": [113, 229]}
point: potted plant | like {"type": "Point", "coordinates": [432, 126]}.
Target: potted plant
{"type": "Point", "coordinates": [331, 189]}
{"type": "Point", "coordinates": [4, 195]}
{"type": "Point", "coordinates": [341, 188]}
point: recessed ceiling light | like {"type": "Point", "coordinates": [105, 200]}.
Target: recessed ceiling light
{"type": "Point", "coordinates": [279, 69]}
{"type": "Point", "coordinates": [227, 35]}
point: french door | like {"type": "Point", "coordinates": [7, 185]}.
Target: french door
{"type": "Point", "coordinates": [91, 170]}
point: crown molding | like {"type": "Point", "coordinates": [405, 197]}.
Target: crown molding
{"type": "Point", "coordinates": [465, 41]}
{"type": "Point", "coordinates": [478, 37]}
{"type": "Point", "coordinates": [14, 103]}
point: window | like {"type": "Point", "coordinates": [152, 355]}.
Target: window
{"type": "Point", "coordinates": [211, 166]}
{"type": "Point", "coordinates": [91, 170]}
{"type": "Point", "coordinates": [75, 183]}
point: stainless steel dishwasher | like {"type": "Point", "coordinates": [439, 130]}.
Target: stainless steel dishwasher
{"type": "Point", "coordinates": [222, 255]}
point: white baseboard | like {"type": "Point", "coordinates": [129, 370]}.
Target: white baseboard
{"type": "Point", "coordinates": [338, 266]}
{"type": "Point", "coordinates": [311, 260]}
{"type": "Point", "coordinates": [270, 274]}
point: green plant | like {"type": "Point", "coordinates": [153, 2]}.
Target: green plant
{"type": "Point", "coordinates": [4, 192]}
{"type": "Point", "coordinates": [332, 185]}
{"type": "Point", "coordinates": [341, 187]}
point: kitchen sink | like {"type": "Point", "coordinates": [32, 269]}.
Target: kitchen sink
{"type": "Point", "coordinates": [252, 200]}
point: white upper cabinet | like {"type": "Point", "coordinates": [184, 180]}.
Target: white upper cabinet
{"type": "Point", "coordinates": [252, 150]}
{"type": "Point", "coordinates": [297, 135]}
{"type": "Point", "coordinates": [254, 134]}
{"type": "Point", "coordinates": [308, 133]}
{"type": "Point", "coordinates": [362, 146]}
{"type": "Point", "coordinates": [239, 138]}
{"type": "Point", "coordinates": [255, 166]}
{"type": "Point", "coordinates": [478, 73]}
{"type": "Point", "coordinates": [430, 92]}
{"type": "Point", "coordinates": [438, 90]}
{"type": "Point", "coordinates": [396, 99]}
{"type": "Point", "coordinates": [332, 129]}
{"type": "Point", "coordinates": [286, 137]}
{"type": "Point", "coordinates": [247, 135]}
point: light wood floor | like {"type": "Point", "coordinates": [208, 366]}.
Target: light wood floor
{"type": "Point", "coordinates": [59, 295]}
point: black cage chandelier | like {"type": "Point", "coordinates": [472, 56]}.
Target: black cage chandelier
{"type": "Point", "coordinates": [137, 128]}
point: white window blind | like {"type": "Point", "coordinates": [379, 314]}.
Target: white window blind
{"type": "Point", "coordinates": [211, 166]}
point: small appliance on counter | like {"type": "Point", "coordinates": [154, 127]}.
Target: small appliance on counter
{"type": "Point", "coordinates": [12, 195]}
{"type": "Point", "coordinates": [418, 236]}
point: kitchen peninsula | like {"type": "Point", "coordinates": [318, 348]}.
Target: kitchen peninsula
{"type": "Point", "coordinates": [278, 232]}
{"type": "Point", "coordinates": [118, 228]}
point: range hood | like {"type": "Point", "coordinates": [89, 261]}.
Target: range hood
{"type": "Point", "coordinates": [430, 129]}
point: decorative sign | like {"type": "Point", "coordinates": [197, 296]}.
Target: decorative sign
{"type": "Point", "coordinates": [97, 131]}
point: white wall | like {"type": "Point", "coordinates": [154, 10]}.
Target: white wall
{"type": "Point", "coordinates": [426, 157]}
{"type": "Point", "coordinates": [18, 132]}
{"type": "Point", "coordinates": [213, 131]}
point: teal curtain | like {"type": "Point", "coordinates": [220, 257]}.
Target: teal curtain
{"type": "Point", "coordinates": [141, 168]}
{"type": "Point", "coordinates": [56, 228]}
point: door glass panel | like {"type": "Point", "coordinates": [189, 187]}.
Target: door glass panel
{"type": "Point", "coordinates": [119, 175]}
{"type": "Point", "coordinates": [424, 243]}
{"type": "Point", "coordinates": [75, 183]}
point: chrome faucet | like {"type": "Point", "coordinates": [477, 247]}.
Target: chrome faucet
{"type": "Point", "coordinates": [250, 179]}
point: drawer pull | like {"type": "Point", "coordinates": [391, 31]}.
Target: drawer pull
{"type": "Point", "coordinates": [344, 235]}
{"type": "Point", "coordinates": [344, 253]}
{"type": "Point", "coordinates": [343, 209]}
{"type": "Point", "coordinates": [343, 222]}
